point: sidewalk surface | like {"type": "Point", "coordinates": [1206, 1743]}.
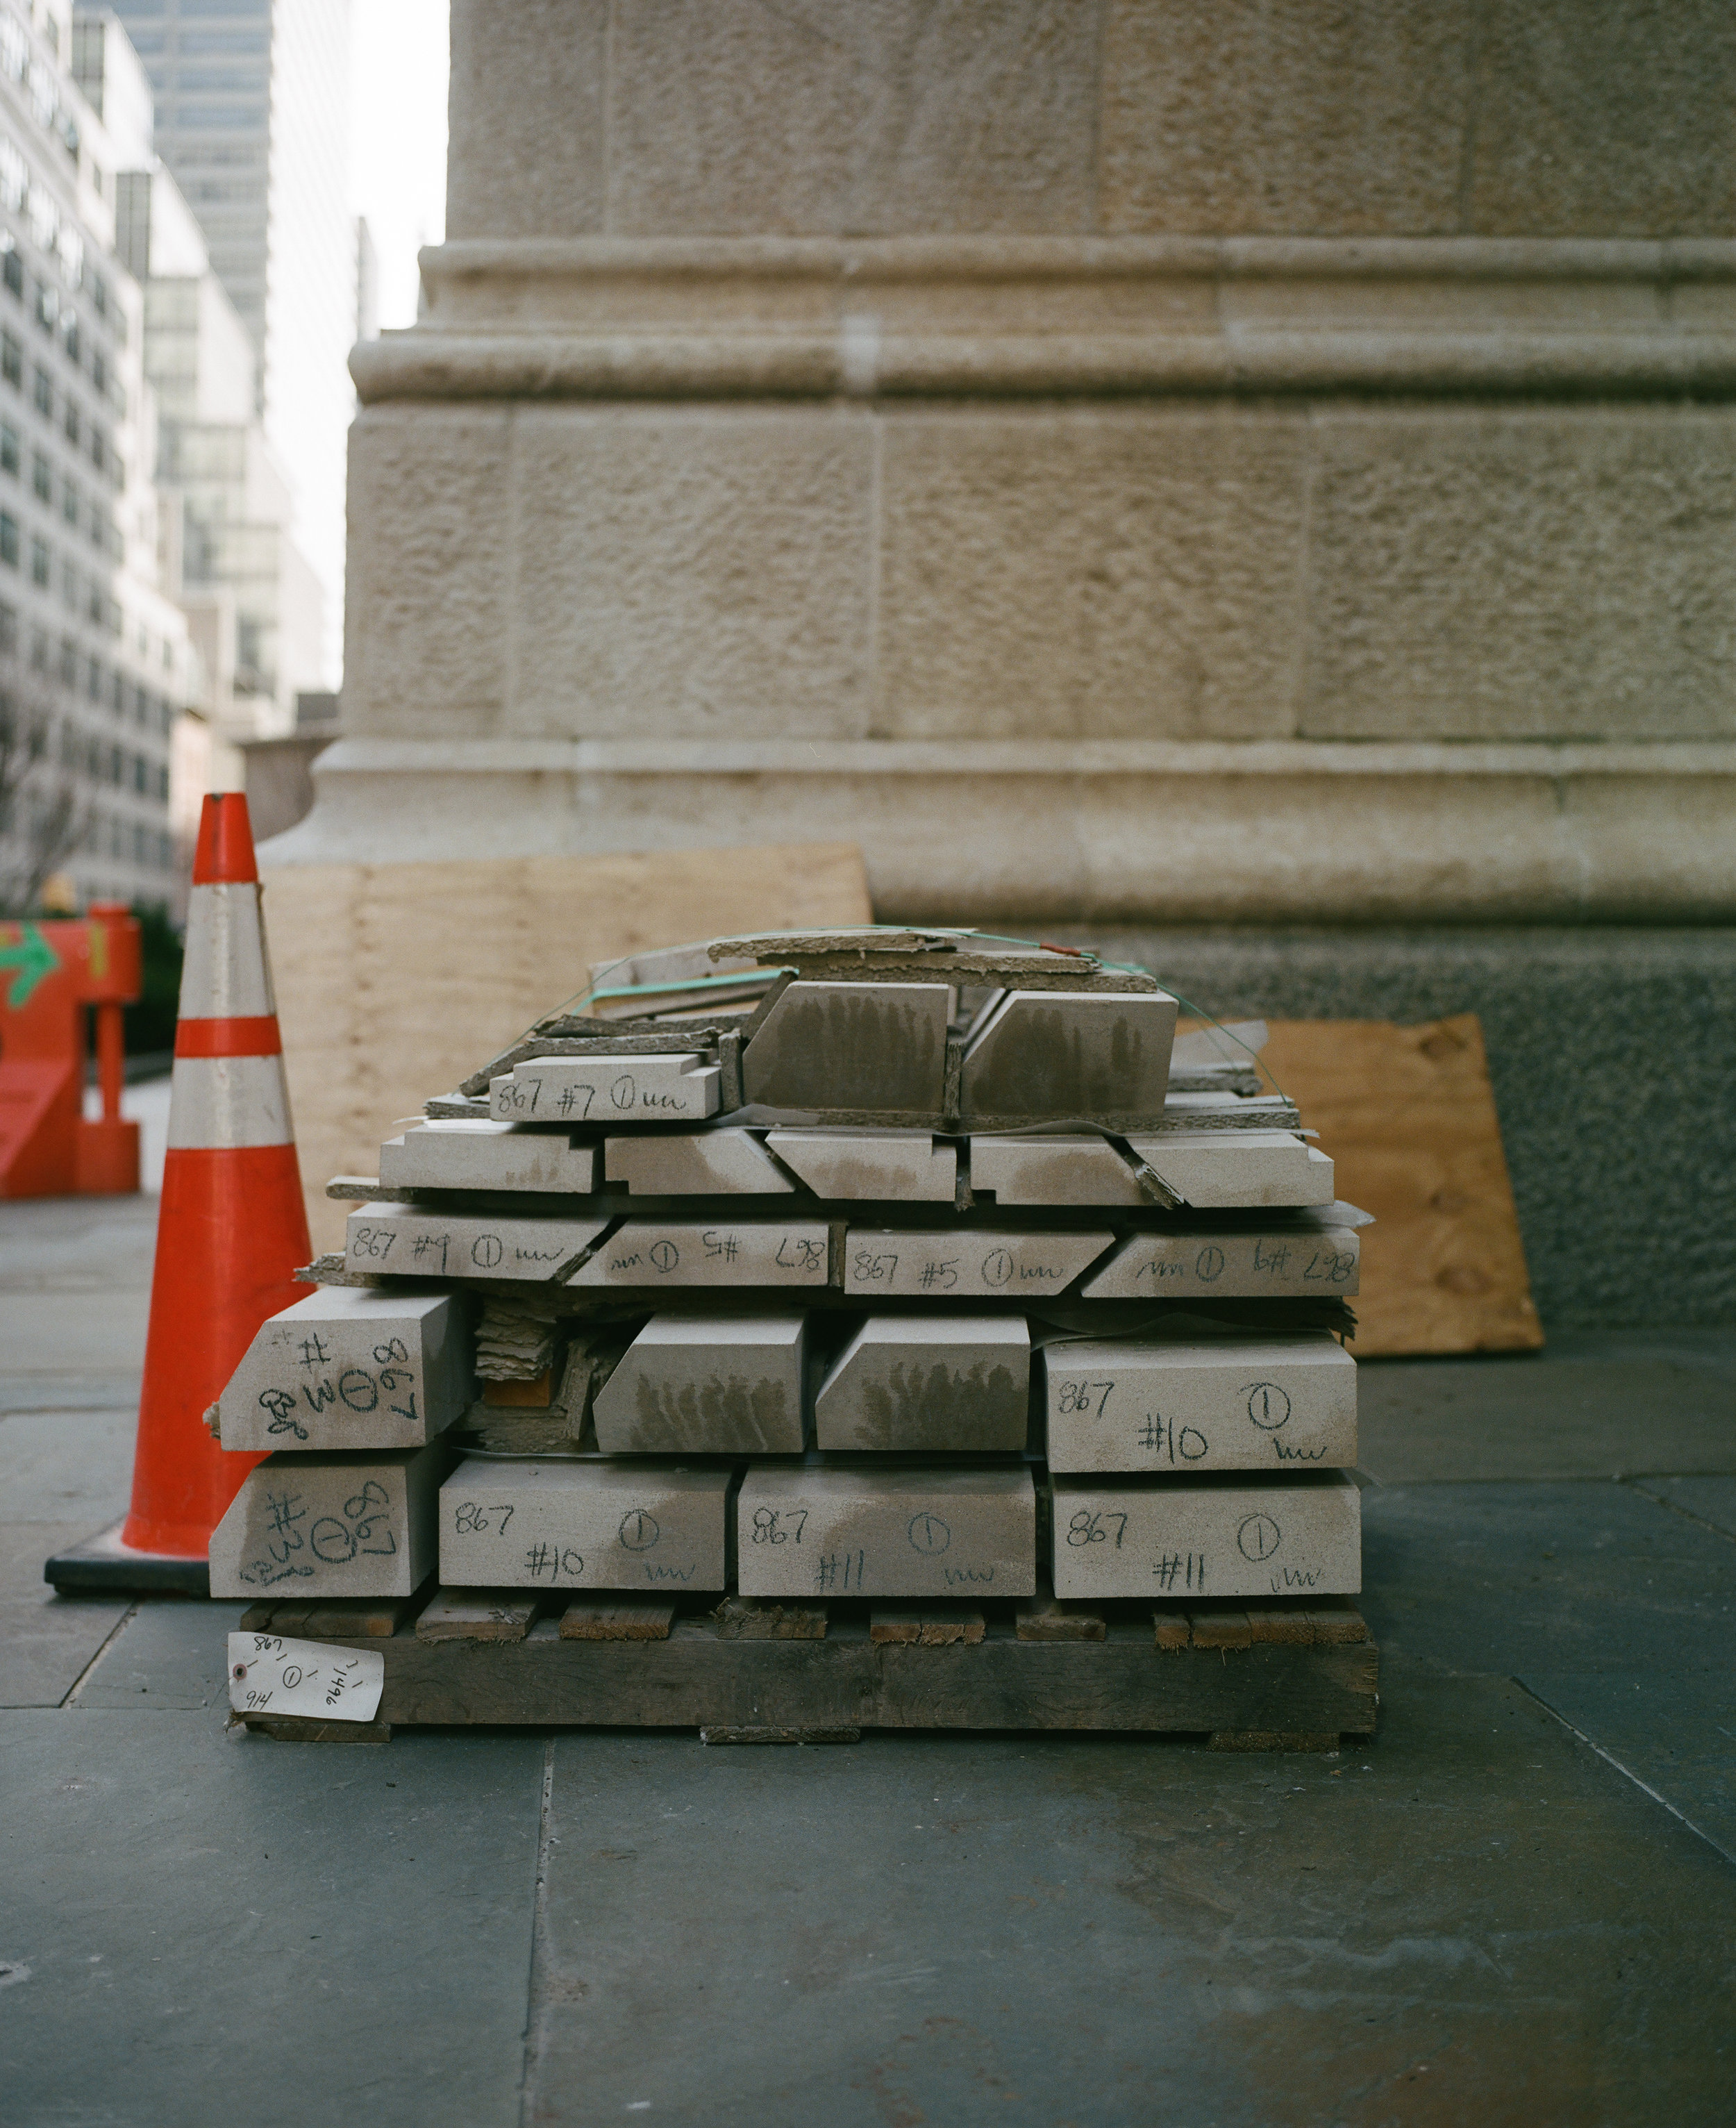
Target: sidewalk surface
{"type": "Point", "coordinates": [1517, 1904]}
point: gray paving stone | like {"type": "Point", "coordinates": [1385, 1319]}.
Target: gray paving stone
{"type": "Point", "coordinates": [1039, 1053]}
{"type": "Point", "coordinates": [1709, 1500]}
{"type": "Point", "coordinates": [469, 1153]}
{"type": "Point", "coordinates": [70, 1466]}
{"type": "Point", "coordinates": [530, 1525]}
{"type": "Point", "coordinates": [927, 1382]}
{"type": "Point", "coordinates": [173, 1654]}
{"type": "Point", "coordinates": [1172, 1538]}
{"type": "Point", "coordinates": [872, 1046]}
{"type": "Point", "coordinates": [46, 1641]}
{"type": "Point", "coordinates": [352, 1367]}
{"type": "Point", "coordinates": [308, 1525]}
{"type": "Point", "coordinates": [725, 1385]}
{"type": "Point", "coordinates": [913, 1531]}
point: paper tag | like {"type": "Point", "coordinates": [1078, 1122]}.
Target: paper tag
{"type": "Point", "coordinates": [270, 1675]}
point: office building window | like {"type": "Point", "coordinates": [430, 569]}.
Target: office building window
{"type": "Point", "coordinates": [93, 684]}
{"type": "Point", "coordinates": [141, 769]}
{"type": "Point", "coordinates": [72, 419]}
{"type": "Point", "coordinates": [68, 661]}
{"type": "Point", "coordinates": [99, 369]}
{"type": "Point", "coordinates": [116, 769]}
{"type": "Point", "coordinates": [70, 501]}
{"type": "Point", "coordinates": [47, 307]}
{"type": "Point", "coordinates": [44, 393]}
{"type": "Point", "coordinates": [42, 562]}
{"type": "Point", "coordinates": [9, 629]}
{"type": "Point", "coordinates": [8, 448]}
{"type": "Point", "coordinates": [14, 270]}
{"type": "Point", "coordinates": [162, 793]}
{"type": "Point", "coordinates": [70, 338]}
{"type": "Point", "coordinates": [11, 359]}
{"type": "Point", "coordinates": [42, 478]}
{"type": "Point", "coordinates": [8, 538]}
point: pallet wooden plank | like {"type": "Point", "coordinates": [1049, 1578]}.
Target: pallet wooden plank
{"type": "Point", "coordinates": [1275, 1739]}
{"type": "Point", "coordinates": [1337, 1625]}
{"type": "Point", "coordinates": [479, 1614]}
{"type": "Point", "coordinates": [1173, 1630]}
{"type": "Point", "coordinates": [1042, 1618]}
{"type": "Point", "coordinates": [361, 1618]}
{"type": "Point", "coordinates": [926, 1625]}
{"type": "Point", "coordinates": [1221, 1626]}
{"type": "Point", "coordinates": [755, 1733]}
{"type": "Point", "coordinates": [615, 1618]}
{"type": "Point", "coordinates": [751, 1618]}
{"type": "Point", "coordinates": [1280, 1622]}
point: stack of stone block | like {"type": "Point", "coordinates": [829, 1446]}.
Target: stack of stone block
{"type": "Point", "coordinates": [916, 1266]}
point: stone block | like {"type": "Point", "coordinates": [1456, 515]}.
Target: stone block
{"type": "Point", "coordinates": [1236, 1169]}
{"type": "Point", "coordinates": [693, 1164]}
{"type": "Point", "coordinates": [1112, 574]}
{"type": "Point", "coordinates": [679, 1088]}
{"type": "Point", "coordinates": [648, 1253]}
{"type": "Point", "coordinates": [882, 117]}
{"type": "Point", "coordinates": [965, 1262]}
{"type": "Point", "coordinates": [918, 1383]}
{"type": "Point", "coordinates": [1171, 1538]}
{"type": "Point", "coordinates": [835, 1532]}
{"type": "Point", "coordinates": [529, 79]}
{"type": "Point", "coordinates": [876, 1048]}
{"type": "Point", "coordinates": [574, 1525]}
{"type": "Point", "coordinates": [1347, 120]}
{"type": "Point", "coordinates": [430, 493]}
{"type": "Point", "coordinates": [1040, 1053]}
{"type": "Point", "coordinates": [1281, 1262]}
{"type": "Point", "coordinates": [1524, 574]}
{"type": "Point", "coordinates": [887, 1165]}
{"type": "Point", "coordinates": [472, 1154]}
{"type": "Point", "coordinates": [360, 1523]}
{"type": "Point", "coordinates": [690, 572]}
{"type": "Point", "coordinates": [1065, 1167]}
{"type": "Point", "coordinates": [717, 1385]}
{"type": "Point", "coordinates": [1263, 1401]}
{"type": "Point", "coordinates": [1605, 121]}
{"type": "Point", "coordinates": [350, 1368]}
{"type": "Point", "coordinates": [399, 1241]}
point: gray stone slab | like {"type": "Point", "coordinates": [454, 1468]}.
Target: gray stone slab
{"type": "Point", "coordinates": [1228, 1170]}
{"type": "Point", "coordinates": [693, 1164]}
{"type": "Point", "coordinates": [46, 1641]}
{"type": "Point", "coordinates": [162, 1882]}
{"type": "Point", "coordinates": [352, 1367]}
{"type": "Point", "coordinates": [172, 1654]}
{"type": "Point", "coordinates": [870, 1045]}
{"type": "Point", "coordinates": [1038, 1053]}
{"type": "Point", "coordinates": [308, 1525]}
{"type": "Point", "coordinates": [1214, 1265]}
{"type": "Point", "coordinates": [71, 1392]}
{"type": "Point", "coordinates": [1675, 1736]}
{"type": "Point", "coordinates": [1061, 1168]}
{"type": "Point", "coordinates": [1709, 1500]}
{"type": "Point", "coordinates": [471, 1154]}
{"type": "Point", "coordinates": [1173, 1538]}
{"type": "Point", "coordinates": [78, 1244]}
{"type": "Point", "coordinates": [1588, 1405]}
{"type": "Point", "coordinates": [919, 1384]}
{"type": "Point", "coordinates": [889, 1165]}
{"type": "Point", "coordinates": [49, 1336]}
{"type": "Point", "coordinates": [644, 1526]}
{"type": "Point", "coordinates": [70, 1466]}
{"type": "Point", "coordinates": [1199, 1403]}
{"type": "Point", "coordinates": [397, 1240]}
{"type": "Point", "coordinates": [966, 1263]}
{"type": "Point", "coordinates": [725, 1385]}
{"type": "Point", "coordinates": [1474, 1918]}
{"type": "Point", "coordinates": [643, 1253]}
{"type": "Point", "coordinates": [886, 1533]}
{"type": "Point", "coordinates": [679, 1087]}
{"type": "Point", "coordinates": [1522, 1578]}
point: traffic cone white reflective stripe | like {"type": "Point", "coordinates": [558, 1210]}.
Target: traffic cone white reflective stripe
{"type": "Point", "coordinates": [229, 1101]}
{"type": "Point", "coordinates": [225, 973]}
{"type": "Point", "coordinates": [227, 1088]}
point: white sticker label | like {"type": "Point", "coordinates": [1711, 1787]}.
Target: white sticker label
{"type": "Point", "coordinates": [270, 1675]}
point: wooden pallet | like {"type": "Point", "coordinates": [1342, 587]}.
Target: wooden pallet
{"type": "Point", "coordinates": [1291, 1676]}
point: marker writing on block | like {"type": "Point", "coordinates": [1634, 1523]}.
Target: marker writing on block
{"type": "Point", "coordinates": [270, 1675]}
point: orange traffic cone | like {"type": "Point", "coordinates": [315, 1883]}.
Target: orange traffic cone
{"type": "Point", "coordinates": [231, 1229]}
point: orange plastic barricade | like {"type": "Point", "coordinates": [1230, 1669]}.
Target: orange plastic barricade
{"type": "Point", "coordinates": [231, 1230]}
{"type": "Point", "coordinates": [49, 973]}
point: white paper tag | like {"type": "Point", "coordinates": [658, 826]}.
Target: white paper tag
{"type": "Point", "coordinates": [270, 1675]}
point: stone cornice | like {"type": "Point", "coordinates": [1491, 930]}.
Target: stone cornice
{"type": "Point", "coordinates": [809, 318]}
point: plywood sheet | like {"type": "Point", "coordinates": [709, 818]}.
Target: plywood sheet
{"type": "Point", "coordinates": [1408, 1115]}
{"type": "Point", "coordinates": [395, 981]}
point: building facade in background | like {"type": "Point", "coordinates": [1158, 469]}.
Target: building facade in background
{"type": "Point", "coordinates": [95, 661]}
{"type": "Point", "coordinates": [252, 122]}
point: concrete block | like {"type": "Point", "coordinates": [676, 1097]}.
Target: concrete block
{"type": "Point", "coordinates": [720, 1384]}
{"type": "Point", "coordinates": [1281, 1262]}
{"type": "Point", "coordinates": [573, 1525]}
{"type": "Point", "coordinates": [400, 1240]}
{"type": "Point", "coordinates": [907, 1166]}
{"type": "Point", "coordinates": [1224, 1169]}
{"type": "Point", "coordinates": [511, 176]}
{"type": "Point", "coordinates": [876, 1048]}
{"type": "Point", "coordinates": [913, 1384]}
{"type": "Point", "coordinates": [693, 1164]}
{"type": "Point", "coordinates": [1172, 1538]}
{"type": "Point", "coordinates": [350, 1368]}
{"type": "Point", "coordinates": [1301, 121]}
{"type": "Point", "coordinates": [958, 1263]}
{"type": "Point", "coordinates": [648, 1252]}
{"type": "Point", "coordinates": [356, 1524]}
{"type": "Point", "coordinates": [1264, 1402]}
{"type": "Point", "coordinates": [838, 1533]}
{"type": "Point", "coordinates": [1068, 1167]}
{"type": "Point", "coordinates": [1041, 1054]}
{"type": "Point", "coordinates": [475, 1155]}
{"type": "Point", "coordinates": [606, 1090]}
{"type": "Point", "coordinates": [1126, 574]}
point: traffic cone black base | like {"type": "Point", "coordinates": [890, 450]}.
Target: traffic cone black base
{"type": "Point", "coordinates": [102, 1565]}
